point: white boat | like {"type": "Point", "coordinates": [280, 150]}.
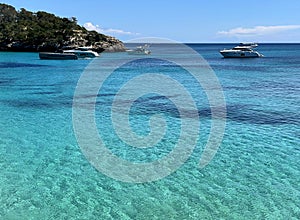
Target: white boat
{"type": "Point", "coordinates": [140, 50]}
{"type": "Point", "coordinates": [243, 50]}
{"type": "Point", "coordinates": [83, 52]}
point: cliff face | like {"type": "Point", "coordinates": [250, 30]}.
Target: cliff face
{"type": "Point", "coordinates": [27, 31]}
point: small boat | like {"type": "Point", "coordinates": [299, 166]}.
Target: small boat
{"type": "Point", "coordinates": [140, 50]}
{"type": "Point", "coordinates": [243, 50]}
{"type": "Point", "coordinates": [57, 56]}
{"type": "Point", "coordinates": [83, 52]}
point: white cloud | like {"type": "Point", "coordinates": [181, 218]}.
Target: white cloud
{"type": "Point", "coordinates": [91, 27]}
{"type": "Point", "coordinates": [258, 30]}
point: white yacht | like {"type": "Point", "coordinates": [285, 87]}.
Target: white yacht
{"type": "Point", "coordinates": [83, 52]}
{"type": "Point", "coordinates": [140, 50]}
{"type": "Point", "coordinates": [243, 50]}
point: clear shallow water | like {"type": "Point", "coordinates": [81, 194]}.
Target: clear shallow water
{"type": "Point", "coordinates": [254, 175]}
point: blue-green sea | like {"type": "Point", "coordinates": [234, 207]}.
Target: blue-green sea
{"type": "Point", "coordinates": [255, 173]}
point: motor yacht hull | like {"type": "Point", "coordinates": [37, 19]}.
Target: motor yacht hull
{"type": "Point", "coordinates": [240, 54]}
{"type": "Point", "coordinates": [57, 56]}
{"type": "Point", "coordinates": [134, 52]}
{"type": "Point", "coordinates": [140, 50]}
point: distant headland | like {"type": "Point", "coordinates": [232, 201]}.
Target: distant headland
{"type": "Point", "coordinates": [23, 30]}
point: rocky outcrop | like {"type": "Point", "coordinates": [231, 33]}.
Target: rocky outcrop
{"type": "Point", "coordinates": [113, 45]}
{"type": "Point", "coordinates": [41, 31]}
{"type": "Point", "coordinates": [80, 38]}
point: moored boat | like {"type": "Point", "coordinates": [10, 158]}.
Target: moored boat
{"type": "Point", "coordinates": [83, 52]}
{"type": "Point", "coordinates": [243, 50]}
{"type": "Point", "coordinates": [57, 56]}
{"type": "Point", "coordinates": [140, 50]}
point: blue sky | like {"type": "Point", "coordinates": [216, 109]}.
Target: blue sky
{"type": "Point", "coordinates": [179, 20]}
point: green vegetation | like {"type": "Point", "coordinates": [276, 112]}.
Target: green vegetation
{"type": "Point", "coordinates": [27, 31]}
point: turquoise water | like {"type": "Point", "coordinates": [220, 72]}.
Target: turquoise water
{"type": "Point", "coordinates": [254, 175]}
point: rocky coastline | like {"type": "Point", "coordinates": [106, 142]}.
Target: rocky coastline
{"type": "Point", "coordinates": [25, 31]}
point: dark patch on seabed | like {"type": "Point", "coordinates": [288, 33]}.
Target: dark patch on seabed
{"type": "Point", "coordinates": [238, 113]}
{"type": "Point", "coordinates": [241, 68]}
{"type": "Point", "coordinates": [45, 93]}
{"type": "Point", "coordinates": [246, 114]}
{"type": "Point", "coordinates": [8, 81]}
{"type": "Point", "coordinates": [25, 104]}
{"type": "Point", "coordinates": [18, 65]}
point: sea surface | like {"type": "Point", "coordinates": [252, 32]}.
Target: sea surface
{"type": "Point", "coordinates": [255, 173]}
